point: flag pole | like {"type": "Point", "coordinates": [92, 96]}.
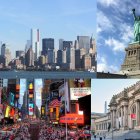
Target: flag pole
{"type": "Point", "coordinates": [66, 111]}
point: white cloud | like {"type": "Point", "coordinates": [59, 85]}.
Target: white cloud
{"type": "Point", "coordinates": [115, 45]}
{"type": "Point", "coordinates": [103, 22]}
{"type": "Point", "coordinates": [98, 29]}
{"type": "Point", "coordinates": [126, 32]}
{"type": "Point", "coordinates": [107, 2]}
{"type": "Point", "coordinates": [103, 66]}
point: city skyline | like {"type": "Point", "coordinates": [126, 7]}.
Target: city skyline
{"type": "Point", "coordinates": [114, 31]}
{"type": "Point", "coordinates": [71, 18]}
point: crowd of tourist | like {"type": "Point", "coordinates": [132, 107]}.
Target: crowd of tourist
{"type": "Point", "coordinates": [59, 133]}
{"type": "Point", "coordinates": [21, 131]}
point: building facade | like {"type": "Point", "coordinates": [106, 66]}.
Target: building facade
{"type": "Point", "coordinates": [47, 44]}
{"type": "Point", "coordinates": [124, 112]}
{"type": "Point", "coordinates": [35, 42]}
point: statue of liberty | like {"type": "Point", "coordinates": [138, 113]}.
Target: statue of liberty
{"type": "Point", "coordinates": [136, 27]}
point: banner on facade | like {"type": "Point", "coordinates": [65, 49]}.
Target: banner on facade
{"type": "Point", "coordinates": [133, 116]}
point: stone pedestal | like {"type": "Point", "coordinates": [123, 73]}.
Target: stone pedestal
{"type": "Point", "coordinates": [132, 57]}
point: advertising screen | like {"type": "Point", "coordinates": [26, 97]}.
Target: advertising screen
{"type": "Point", "coordinates": [11, 99]}
{"type": "Point", "coordinates": [31, 107]}
{"type": "Point", "coordinates": [79, 88]}
{"type": "Point", "coordinates": [7, 111]}
{"type": "Point", "coordinates": [72, 119]}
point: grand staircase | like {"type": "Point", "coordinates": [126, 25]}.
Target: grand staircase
{"type": "Point", "coordinates": [124, 135]}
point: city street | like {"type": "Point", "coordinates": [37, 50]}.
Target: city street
{"type": "Point", "coordinates": [40, 130]}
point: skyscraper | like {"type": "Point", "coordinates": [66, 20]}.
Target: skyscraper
{"type": "Point", "coordinates": [19, 53]}
{"type": "Point", "coordinates": [64, 60]}
{"type": "Point", "coordinates": [3, 48]}
{"type": "Point", "coordinates": [77, 59]}
{"type": "Point", "coordinates": [59, 57]}
{"type": "Point", "coordinates": [86, 62]}
{"type": "Point", "coordinates": [76, 45]}
{"type": "Point", "coordinates": [8, 56]}
{"type": "Point", "coordinates": [35, 42]}
{"type": "Point", "coordinates": [29, 57]}
{"type": "Point", "coordinates": [84, 42]}
{"type": "Point", "coordinates": [67, 44]}
{"type": "Point", "coordinates": [70, 55]}
{"type": "Point", "coordinates": [61, 44]}
{"type": "Point", "coordinates": [50, 56]}
{"type": "Point", "coordinates": [47, 44]}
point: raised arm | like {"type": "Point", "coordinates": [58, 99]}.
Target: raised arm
{"type": "Point", "coordinates": [134, 15]}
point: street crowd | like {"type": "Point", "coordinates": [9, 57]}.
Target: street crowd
{"type": "Point", "coordinates": [49, 132]}
{"type": "Point", "coordinates": [21, 131]}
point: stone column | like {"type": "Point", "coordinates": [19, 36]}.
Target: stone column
{"type": "Point", "coordinates": [125, 117]}
{"type": "Point", "coordinates": [121, 116]}
{"type": "Point", "coordinates": [111, 119]}
{"type": "Point", "coordinates": [138, 113]}
{"type": "Point", "coordinates": [114, 117]}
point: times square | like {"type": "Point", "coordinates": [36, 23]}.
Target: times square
{"type": "Point", "coordinates": [44, 109]}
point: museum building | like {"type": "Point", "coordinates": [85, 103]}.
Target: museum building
{"type": "Point", "coordinates": [123, 113]}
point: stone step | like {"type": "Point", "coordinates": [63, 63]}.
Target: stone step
{"type": "Point", "coordinates": [131, 134]}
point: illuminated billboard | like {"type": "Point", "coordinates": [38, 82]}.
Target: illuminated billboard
{"type": "Point", "coordinates": [11, 99]}
{"type": "Point", "coordinates": [79, 88]}
{"type": "Point", "coordinates": [31, 108]}
{"type": "Point", "coordinates": [42, 110]}
{"type": "Point", "coordinates": [72, 119]}
{"type": "Point", "coordinates": [7, 111]}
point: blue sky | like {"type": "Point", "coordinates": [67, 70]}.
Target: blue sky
{"type": "Point", "coordinates": [104, 89]}
{"type": "Point", "coordinates": [114, 32]}
{"type": "Point", "coordinates": [55, 18]}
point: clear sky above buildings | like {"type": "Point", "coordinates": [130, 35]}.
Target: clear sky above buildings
{"type": "Point", "coordinates": [104, 89]}
{"type": "Point", "coordinates": [114, 31]}
{"type": "Point", "coordinates": [55, 18]}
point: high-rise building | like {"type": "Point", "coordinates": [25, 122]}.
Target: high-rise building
{"type": "Point", "coordinates": [86, 62]}
{"type": "Point", "coordinates": [76, 45]}
{"type": "Point", "coordinates": [77, 59]}
{"type": "Point", "coordinates": [84, 42]}
{"type": "Point", "coordinates": [59, 57]}
{"type": "Point", "coordinates": [29, 58]}
{"type": "Point", "coordinates": [55, 55]}
{"type": "Point", "coordinates": [67, 44]}
{"type": "Point", "coordinates": [64, 58]}
{"type": "Point", "coordinates": [50, 56]}
{"type": "Point", "coordinates": [19, 53]}
{"type": "Point", "coordinates": [8, 56]}
{"type": "Point", "coordinates": [93, 45]}
{"type": "Point", "coordinates": [70, 55]}
{"type": "Point", "coordinates": [42, 60]}
{"type": "Point", "coordinates": [82, 52]}
{"type": "Point", "coordinates": [28, 45]}
{"type": "Point", "coordinates": [3, 49]}
{"type": "Point", "coordinates": [35, 42]}
{"type": "Point", "coordinates": [47, 44]}
{"type": "Point", "coordinates": [61, 44]}
{"type": "Point", "coordinates": [72, 58]}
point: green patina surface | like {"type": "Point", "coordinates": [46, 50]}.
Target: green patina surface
{"type": "Point", "coordinates": [136, 26]}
